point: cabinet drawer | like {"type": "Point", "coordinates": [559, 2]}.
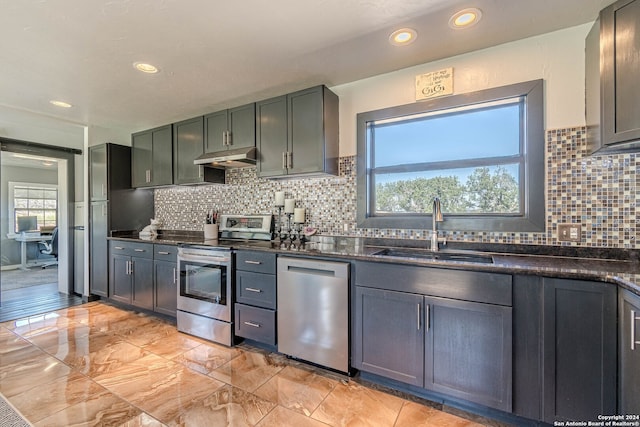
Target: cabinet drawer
{"type": "Point", "coordinates": [256, 323]}
{"type": "Point", "coordinates": [256, 289]}
{"type": "Point", "coordinates": [259, 262]}
{"type": "Point", "coordinates": [165, 252]}
{"type": "Point", "coordinates": [477, 286]}
{"type": "Point", "coordinates": [142, 250]}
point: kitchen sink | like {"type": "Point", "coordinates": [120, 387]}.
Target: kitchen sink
{"type": "Point", "coordinates": [441, 256]}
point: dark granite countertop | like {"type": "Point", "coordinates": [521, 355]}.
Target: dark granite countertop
{"type": "Point", "coordinates": [618, 266]}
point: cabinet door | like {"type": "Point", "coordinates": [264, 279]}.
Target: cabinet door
{"type": "Point", "coordinates": [215, 129]}
{"type": "Point", "coordinates": [141, 158]}
{"type": "Point", "coordinates": [242, 126]}
{"type": "Point", "coordinates": [579, 380]}
{"type": "Point", "coordinates": [629, 353]}
{"type": "Point", "coordinates": [188, 143]}
{"type": "Point", "coordinates": [306, 131]}
{"type": "Point", "coordinates": [390, 334]}
{"type": "Point", "coordinates": [620, 53]}
{"type": "Point", "coordinates": [119, 278]}
{"type": "Point", "coordinates": [98, 172]}
{"type": "Point", "coordinates": [98, 250]}
{"type": "Point", "coordinates": [166, 287]}
{"type": "Point", "coordinates": [162, 170]}
{"type": "Point", "coordinates": [271, 136]}
{"type": "Point", "coordinates": [468, 351]}
{"type": "Point", "coordinates": [141, 271]}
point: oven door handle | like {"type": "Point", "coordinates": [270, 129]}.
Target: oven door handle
{"type": "Point", "coordinates": [212, 259]}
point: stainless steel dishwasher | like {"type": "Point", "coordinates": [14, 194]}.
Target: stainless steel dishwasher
{"type": "Point", "coordinates": [313, 311]}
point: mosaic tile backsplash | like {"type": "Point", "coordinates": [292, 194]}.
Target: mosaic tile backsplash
{"type": "Point", "coordinates": [598, 192]}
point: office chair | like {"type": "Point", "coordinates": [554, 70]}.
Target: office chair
{"type": "Point", "coordinates": [51, 248]}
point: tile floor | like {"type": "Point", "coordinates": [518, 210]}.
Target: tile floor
{"type": "Point", "coordinates": [97, 364]}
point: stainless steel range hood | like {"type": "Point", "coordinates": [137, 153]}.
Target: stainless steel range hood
{"type": "Point", "coordinates": [235, 158]}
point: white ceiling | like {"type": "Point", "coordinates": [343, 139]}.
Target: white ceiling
{"type": "Point", "coordinates": [220, 54]}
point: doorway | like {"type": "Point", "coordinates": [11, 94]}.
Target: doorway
{"type": "Point", "coordinates": [36, 188]}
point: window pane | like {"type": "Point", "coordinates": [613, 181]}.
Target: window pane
{"type": "Point", "coordinates": [20, 192]}
{"type": "Point", "coordinates": [36, 203]}
{"type": "Point", "coordinates": [50, 194]}
{"type": "Point", "coordinates": [21, 203]}
{"type": "Point", "coordinates": [461, 191]}
{"type": "Point", "coordinates": [50, 216]}
{"type": "Point", "coordinates": [467, 134]}
{"type": "Point", "coordinates": [50, 204]}
{"type": "Point", "coordinates": [36, 193]}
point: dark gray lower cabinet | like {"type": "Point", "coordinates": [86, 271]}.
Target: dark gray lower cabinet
{"type": "Point", "coordinates": [99, 249]}
{"type": "Point", "coordinates": [468, 351]}
{"type": "Point", "coordinates": [166, 287]}
{"type": "Point", "coordinates": [629, 353]}
{"type": "Point", "coordinates": [448, 331]}
{"type": "Point", "coordinates": [131, 280]}
{"type": "Point", "coordinates": [390, 334]}
{"type": "Point", "coordinates": [579, 379]}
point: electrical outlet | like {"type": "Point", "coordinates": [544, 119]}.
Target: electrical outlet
{"type": "Point", "coordinates": [570, 232]}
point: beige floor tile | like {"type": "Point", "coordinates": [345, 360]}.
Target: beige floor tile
{"type": "Point", "coordinates": [40, 324]}
{"type": "Point", "coordinates": [103, 409]}
{"type": "Point", "coordinates": [154, 330]}
{"type": "Point", "coordinates": [282, 417]}
{"type": "Point", "coordinates": [350, 404]}
{"type": "Point", "coordinates": [172, 344]}
{"type": "Point", "coordinates": [207, 357]}
{"type": "Point", "coordinates": [160, 387]}
{"type": "Point", "coordinates": [143, 420]}
{"type": "Point", "coordinates": [10, 342]}
{"type": "Point", "coordinates": [122, 323]}
{"type": "Point", "coordinates": [297, 388]}
{"type": "Point", "coordinates": [46, 399]}
{"type": "Point", "coordinates": [228, 406]}
{"type": "Point", "coordinates": [37, 370]}
{"type": "Point", "coordinates": [60, 336]}
{"type": "Point", "coordinates": [416, 415]}
{"type": "Point", "coordinates": [249, 370]}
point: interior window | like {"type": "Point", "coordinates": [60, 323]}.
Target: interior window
{"type": "Point", "coordinates": [33, 203]}
{"type": "Point", "coordinates": [481, 154]}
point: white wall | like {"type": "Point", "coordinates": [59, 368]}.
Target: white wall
{"type": "Point", "coordinates": [557, 57]}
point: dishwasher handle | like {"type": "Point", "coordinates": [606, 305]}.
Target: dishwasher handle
{"type": "Point", "coordinates": [338, 270]}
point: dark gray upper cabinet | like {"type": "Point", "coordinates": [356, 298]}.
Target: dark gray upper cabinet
{"type": "Point", "coordinates": [579, 379]}
{"type": "Point", "coordinates": [629, 353]}
{"type": "Point", "coordinates": [297, 134]}
{"type": "Point", "coordinates": [188, 143]}
{"type": "Point", "coordinates": [98, 172]}
{"type": "Point", "coordinates": [228, 129]}
{"type": "Point", "coordinates": [611, 74]}
{"type": "Point", "coordinates": [152, 157]}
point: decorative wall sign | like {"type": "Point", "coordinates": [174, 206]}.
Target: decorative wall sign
{"type": "Point", "coordinates": [434, 84]}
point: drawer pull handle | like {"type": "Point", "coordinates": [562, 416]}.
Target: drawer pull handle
{"type": "Point", "coordinates": [140, 250]}
{"type": "Point", "coordinates": [252, 262]}
{"type": "Point", "coordinates": [255, 325]}
{"type": "Point", "coordinates": [253, 290]}
{"type": "Point", "coordinates": [164, 253]}
{"type": "Point", "coordinates": [118, 247]}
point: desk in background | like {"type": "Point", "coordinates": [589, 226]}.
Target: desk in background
{"type": "Point", "coordinates": [27, 238]}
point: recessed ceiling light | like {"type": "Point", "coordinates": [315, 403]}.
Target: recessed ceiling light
{"type": "Point", "coordinates": [145, 68]}
{"type": "Point", "coordinates": [60, 104]}
{"type": "Point", "coordinates": [465, 18]}
{"type": "Point", "coordinates": [403, 36]}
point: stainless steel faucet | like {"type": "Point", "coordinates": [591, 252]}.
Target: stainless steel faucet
{"type": "Point", "coordinates": [437, 217]}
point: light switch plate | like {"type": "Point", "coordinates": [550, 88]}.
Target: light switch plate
{"type": "Point", "coordinates": [570, 232]}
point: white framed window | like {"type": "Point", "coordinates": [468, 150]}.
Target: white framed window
{"type": "Point", "coordinates": [32, 200]}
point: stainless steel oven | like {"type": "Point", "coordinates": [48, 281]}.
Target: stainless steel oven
{"type": "Point", "coordinates": [205, 292]}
